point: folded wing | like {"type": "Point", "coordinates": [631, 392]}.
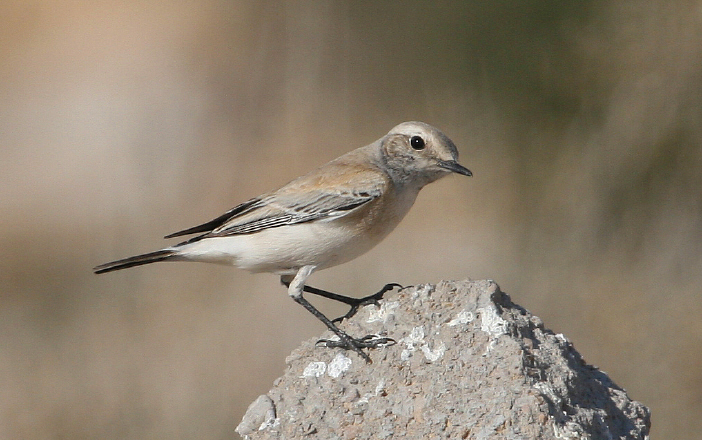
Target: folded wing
{"type": "Point", "coordinates": [280, 210]}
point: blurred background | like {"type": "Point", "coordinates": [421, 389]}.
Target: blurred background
{"type": "Point", "coordinates": [121, 122]}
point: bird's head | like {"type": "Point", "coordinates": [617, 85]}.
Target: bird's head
{"type": "Point", "coordinates": [417, 153]}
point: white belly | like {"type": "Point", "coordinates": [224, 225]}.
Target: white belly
{"type": "Point", "coordinates": [282, 250]}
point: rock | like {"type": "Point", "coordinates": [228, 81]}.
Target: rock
{"type": "Point", "coordinates": [468, 364]}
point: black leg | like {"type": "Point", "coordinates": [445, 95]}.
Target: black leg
{"type": "Point", "coordinates": [345, 341]}
{"type": "Point", "coordinates": [355, 303]}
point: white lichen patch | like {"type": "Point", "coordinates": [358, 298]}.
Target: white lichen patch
{"type": "Point", "coordinates": [436, 354]}
{"type": "Point", "coordinates": [491, 322]}
{"type": "Point", "coordinates": [411, 341]}
{"type": "Point", "coordinates": [463, 317]}
{"type": "Point", "coordinates": [380, 314]}
{"type": "Point", "coordinates": [270, 422]}
{"type": "Point", "coordinates": [415, 341]}
{"type": "Point", "coordinates": [338, 365]}
{"type": "Point", "coordinates": [422, 290]}
{"type": "Point", "coordinates": [415, 338]}
{"type": "Point", "coordinates": [314, 369]}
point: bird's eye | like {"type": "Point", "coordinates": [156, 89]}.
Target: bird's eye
{"type": "Point", "coordinates": [417, 143]}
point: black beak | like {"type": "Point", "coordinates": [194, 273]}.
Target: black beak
{"type": "Point", "coordinates": [455, 167]}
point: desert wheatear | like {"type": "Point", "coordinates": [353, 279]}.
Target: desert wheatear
{"type": "Point", "coordinates": [324, 218]}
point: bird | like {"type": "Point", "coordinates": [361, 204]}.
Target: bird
{"type": "Point", "coordinates": [324, 218]}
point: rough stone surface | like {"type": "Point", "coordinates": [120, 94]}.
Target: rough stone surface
{"type": "Point", "coordinates": [468, 364]}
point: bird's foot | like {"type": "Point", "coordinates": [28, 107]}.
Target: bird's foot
{"type": "Point", "coordinates": [346, 342]}
{"type": "Point", "coordinates": [357, 303]}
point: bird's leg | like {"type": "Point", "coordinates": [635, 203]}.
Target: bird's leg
{"type": "Point", "coordinates": [355, 303]}
{"type": "Point", "coordinates": [295, 289]}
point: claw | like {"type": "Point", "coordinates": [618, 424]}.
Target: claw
{"type": "Point", "coordinates": [368, 300]}
{"type": "Point", "coordinates": [357, 345]}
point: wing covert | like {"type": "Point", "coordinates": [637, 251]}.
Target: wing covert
{"type": "Point", "coordinates": [279, 210]}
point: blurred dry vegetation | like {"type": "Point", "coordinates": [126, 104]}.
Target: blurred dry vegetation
{"type": "Point", "coordinates": [121, 122]}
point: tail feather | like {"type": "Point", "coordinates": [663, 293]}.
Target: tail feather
{"type": "Point", "coordinates": [137, 260]}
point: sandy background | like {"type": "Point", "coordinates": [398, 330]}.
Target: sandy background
{"type": "Point", "coordinates": [121, 122]}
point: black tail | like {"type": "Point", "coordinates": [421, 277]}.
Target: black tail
{"type": "Point", "coordinates": [137, 260]}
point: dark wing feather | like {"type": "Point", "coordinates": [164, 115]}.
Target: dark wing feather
{"type": "Point", "coordinates": [219, 221]}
